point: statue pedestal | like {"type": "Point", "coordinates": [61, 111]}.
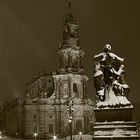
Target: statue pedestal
{"type": "Point", "coordinates": [113, 114]}
{"type": "Point", "coordinates": [115, 124]}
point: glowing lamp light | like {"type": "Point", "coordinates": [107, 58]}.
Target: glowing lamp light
{"type": "Point", "coordinates": [0, 137]}
{"type": "Point", "coordinates": [35, 134]}
{"type": "Point", "coordinates": [80, 133]}
{"type": "Point", "coordinates": [54, 137]}
{"type": "Point", "coordinates": [70, 120]}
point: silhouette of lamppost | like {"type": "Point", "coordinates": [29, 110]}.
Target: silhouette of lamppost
{"type": "Point", "coordinates": [35, 135]}
{"type": "Point", "coordinates": [54, 137]}
{"type": "Point", "coordinates": [70, 111]}
{"type": "Point", "coordinates": [16, 135]}
{"type": "Point", "coordinates": [70, 122]}
{"type": "Point", "coordinates": [80, 133]}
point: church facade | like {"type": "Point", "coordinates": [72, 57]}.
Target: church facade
{"type": "Point", "coordinates": [57, 103]}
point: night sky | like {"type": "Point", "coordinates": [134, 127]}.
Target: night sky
{"type": "Point", "coordinates": [30, 32]}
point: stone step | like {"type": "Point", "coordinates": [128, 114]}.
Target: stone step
{"type": "Point", "coordinates": [118, 130]}
{"type": "Point", "coordinates": [113, 128]}
{"type": "Point", "coordinates": [132, 123]}
{"type": "Point", "coordinates": [115, 125]}
{"type": "Point", "coordinates": [116, 138]}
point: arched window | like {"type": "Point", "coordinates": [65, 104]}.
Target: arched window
{"type": "Point", "coordinates": [75, 90]}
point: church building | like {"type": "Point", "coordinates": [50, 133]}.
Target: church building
{"type": "Point", "coordinates": [57, 103]}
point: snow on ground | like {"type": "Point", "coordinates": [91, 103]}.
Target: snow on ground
{"type": "Point", "coordinates": [79, 137]}
{"type": "Point", "coordinates": [75, 137]}
{"type": "Point", "coordinates": [8, 138]}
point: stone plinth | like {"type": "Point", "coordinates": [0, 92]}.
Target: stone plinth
{"type": "Point", "coordinates": [115, 124]}
{"type": "Point", "coordinates": [117, 130]}
{"type": "Point", "coordinates": [113, 114]}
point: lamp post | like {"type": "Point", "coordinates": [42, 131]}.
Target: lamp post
{"type": "Point", "coordinates": [54, 137]}
{"type": "Point", "coordinates": [16, 135]}
{"type": "Point", "coordinates": [70, 122]}
{"type": "Point", "coordinates": [35, 135]}
{"type": "Point", "coordinates": [70, 109]}
{"type": "Point", "coordinates": [80, 133]}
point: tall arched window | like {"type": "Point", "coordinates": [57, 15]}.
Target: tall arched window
{"type": "Point", "coordinates": [75, 90]}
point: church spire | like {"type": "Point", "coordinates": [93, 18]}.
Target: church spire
{"type": "Point", "coordinates": [69, 14]}
{"type": "Point", "coordinates": [70, 29]}
{"type": "Point", "coordinates": [69, 9]}
{"type": "Point", "coordinates": [69, 4]}
{"type": "Point", "coordinates": [71, 54]}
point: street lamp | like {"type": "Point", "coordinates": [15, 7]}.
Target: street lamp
{"type": "Point", "coordinates": [16, 135]}
{"type": "Point", "coordinates": [71, 115]}
{"type": "Point", "coordinates": [35, 135]}
{"type": "Point", "coordinates": [70, 121]}
{"type": "Point", "coordinates": [54, 137]}
{"type": "Point", "coordinates": [80, 133]}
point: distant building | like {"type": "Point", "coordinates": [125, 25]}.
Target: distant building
{"type": "Point", "coordinates": [13, 117]}
{"type": "Point", "coordinates": [56, 103]}
{"type": "Point", "coordinates": [1, 118]}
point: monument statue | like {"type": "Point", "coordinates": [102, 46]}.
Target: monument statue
{"type": "Point", "coordinates": [109, 80]}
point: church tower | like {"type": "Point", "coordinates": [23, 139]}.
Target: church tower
{"type": "Point", "coordinates": [71, 57]}
{"type": "Point", "coordinates": [71, 82]}
{"type": "Point", "coordinates": [71, 54]}
{"type": "Point", "coordinates": [57, 103]}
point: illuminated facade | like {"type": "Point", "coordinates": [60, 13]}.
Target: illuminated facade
{"type": "Point", "coordinates": [57, 103]}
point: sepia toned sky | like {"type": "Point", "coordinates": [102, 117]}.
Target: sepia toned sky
{"type": "Point", "coordinates": [30, 32]}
